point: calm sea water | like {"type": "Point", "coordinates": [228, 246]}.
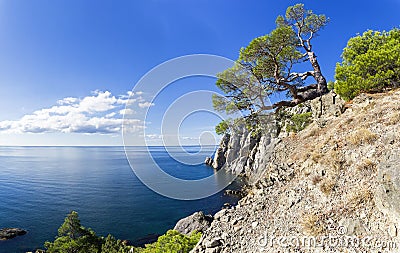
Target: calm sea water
{"type": "Point", "coordinates": [40, 185]}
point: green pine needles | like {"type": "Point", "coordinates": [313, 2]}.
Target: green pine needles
{"type": "Point", "coordinates": [371, 63]}
{"type": "Point", "coordinates": [74, 238]}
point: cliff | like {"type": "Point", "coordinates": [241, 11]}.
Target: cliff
{"type": "Point", "coordinates": [332, 187]}
{"type": "Point", "coordinates": [246, 155]}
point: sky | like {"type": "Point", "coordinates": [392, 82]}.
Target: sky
{"type": "Point", "coordinates": [68, 67]}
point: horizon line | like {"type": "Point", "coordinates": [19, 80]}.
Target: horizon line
{"type": "Point", "coordinates": [106, 145]}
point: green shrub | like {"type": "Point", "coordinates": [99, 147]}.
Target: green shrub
{"type": "Point", "coordinates": [222, 128]}
{"type": "Point", "coordinates": [331, 85]}
{"type": "Point", "coordinates": [112, 245]}
{"type": "Point", "coordinates": [172, 242]}
{"type": "Point", "coordinates": [74, 238]}
{"type": "Point", "coordinates": [371, 63]}
{"type": "Point", "coordinates": [298, 122]}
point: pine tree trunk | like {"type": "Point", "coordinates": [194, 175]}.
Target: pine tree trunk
{"type": "Point", "coordinates": [321, 81]}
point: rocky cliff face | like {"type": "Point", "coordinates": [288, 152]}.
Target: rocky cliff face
{"type": "Point", "coordinates": [241, 153]}
{"type": "Point", "coordinates": [333, 187]}
{"type": "Point", "coordinates": [245, 155]}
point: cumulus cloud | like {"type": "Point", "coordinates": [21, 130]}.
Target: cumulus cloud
{"type": "Point", "coordinates": [100, 102]}
{"type": "Point", "coordinates": [145, 104]}
{"type": "Point", "coordinates": [98, 113]}
{"type": "Point", "coordinates": [67, 101]}
{"type": "Point", "coordinates": [127, 95]}
{"type": "Point", "coordinates": [126, 111]}
{"type": "Point", "coordinates": [111, 114]}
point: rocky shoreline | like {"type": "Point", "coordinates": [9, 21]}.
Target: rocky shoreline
{"type": "Point", "coordinates": [339, 177]}
{"type": "Point", "coordinates": [10, 233]}
{"type": "Point", "coordinates": [336, 179]}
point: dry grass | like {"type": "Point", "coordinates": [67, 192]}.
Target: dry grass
{"type": "Point", "coordinates": [366, 165]}
{"type": "Point", "coordinates": [316, 156]}
{"type": "Point", "coordinates": [300, 156]}
{"type": "Point", "coordinates": [313, 224]}
{"type": "Point", "coordinates": [316, 179]}
{"type": "Point", "coordinates": [362, 136]}
{"type": "Point", "coordinates": [394, 118]}
{"type": "Point", "coordinates": [334, 160]}
{"type": "Point", "coordinates": [312, 132]}
{"type": "Point", "coordinates": [371, 105]}
{"type": "Point", "coordinates": [327, 185]}
{"type": "Point", "coordinates": [358, 197]}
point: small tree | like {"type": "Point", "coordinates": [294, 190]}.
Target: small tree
{"type": "Point", "coordinates": [172, 241]}
{"type": "Point", "coordinates": [112, 245]}
{"type": "Point", "coordinates": [74, 238]}
{"type": "Point", "coordinates": [265, 67]}
{"type": "Point", "coordinates": [371, 63]}
{"type": "Point", "coordinates": [71, 227]}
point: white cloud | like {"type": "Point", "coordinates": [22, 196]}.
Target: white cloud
{"type": "Point", "coordinates": [5, 125]}
{"type": "Point", "coordinates": [130, 98]}
{"type": "Point", "coordinates": [188, 138]}
{"type": "Point", "coordinates": [154, 136]}
{"type": "Point", "coordinates": [126, 111]}
{"type": "Point", "coordinates": [67, 101]}
{"type": "Point", "coordinates": [123, 99]}
{"type": "Point", "coordinates": [111, 114]}
{"type": "Point", "coordinates": [100, 102]}
{"type": "Point", "coordinates": [145, 104]}
{"type": "Point", "coordinates": [91, 114]}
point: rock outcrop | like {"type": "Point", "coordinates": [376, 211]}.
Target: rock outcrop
{"type": "Point", "coordinates": [209, 161]}
{"type": "Point", "coordinates": [241, 153]}
{"type": "Point", "coordinates": [333, 187]}
{"type": "Point", "coordinates": [195, 222]}
{"type": "Point", "coordinates": [9, 233]}
{"type": "Point", "coordinates": [245, 155]}
{"type": "Point", "coordinates": [220, 155]}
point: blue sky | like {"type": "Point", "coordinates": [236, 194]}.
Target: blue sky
{"type": "Point", "coordinates": [93, 52]}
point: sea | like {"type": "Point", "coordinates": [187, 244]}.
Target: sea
{"type": "Point", "coordinates": [39, 186]}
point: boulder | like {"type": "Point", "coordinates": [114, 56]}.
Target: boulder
{"type": "Point", "coordinates": [195, 222]}
{"type": "Point", "coordinates": [233, 192]}
{"type": "Point", "coordinates": [209, 161]}
{"type": "Point", "coordinates": [9, 233]}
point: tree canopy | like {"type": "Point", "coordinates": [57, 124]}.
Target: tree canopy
{"type": "Point", "coordinates": [371, 63]}
{"type": "Point", "coordinates": [172, 242]}
{"type": "Point", "coordinates": [266, 66]}
{"type": "Point", "coordinates": [74, 238]}
{"type": "Point", "coordinates": [112, 245]}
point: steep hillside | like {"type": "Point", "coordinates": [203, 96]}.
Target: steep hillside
{"type": "Point", "coordinates": [333, 187]}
